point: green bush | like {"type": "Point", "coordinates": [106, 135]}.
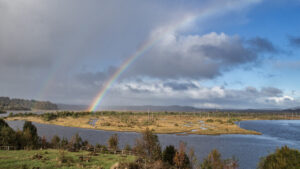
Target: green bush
{"type": "Point", "coordinates": [209, 120]}
{"type": "Point", "coordinates": [283, 158]}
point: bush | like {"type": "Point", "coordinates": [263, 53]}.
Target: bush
{"type": "Point", "coordinates": [283, 158]}
{"type": "Point", "coordinates": [209, 120]}
{"type": "Point", "coordinates": [55, 141]}
{"type": "Point", "coordinates": [127, 147]}
{"type": "Point", "coordinates": [101, 148]}
{"type": "Point", "coordinates": [148, 146]}
{"type": "Point", "coordinates": [105, 124]}
{"type": "Point", "coordinates": [181, 160]}
{"type": "Point", "coordinates": [214, 160]}
{"type": "Point", "coordinates": [219, 121]}
{"type": "Point", "coordinates": [113, 142]}
{"type": "Point", "coordinates": [168, 154]}
{"type": "Point", "coordinates": [49, 116]}
{"type": "Point", "coordinates": [75, 143]}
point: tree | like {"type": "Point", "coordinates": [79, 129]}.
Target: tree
{"type": "Point", "coordinates": [113, 142]}
{"type": "Point", "coordinates": [75, 142]}
{"type": "Point", "coordinates": [168, 154]}
{"type": "Point", "coordinates": [32, 129]}
{"type": "Point", "coordinates": [30, 135]}
{"type": "Point", "coordinates": [283, 158]}
{"type": "Point", "coordinates": [3, 123]}
{"type": "Point", "coordinates": [7, 136]}
{"type": "Point", "coordinates": [44, 143]}
{"type": "Point", "coordinates": [193, 159]}
{"type": "Point", "coordinates": [64, 143]}
{"type": "Point", "coordinates": [55, 141]}
{"type": "Point", "coordinates": [148, 146]}
{"type": "Point", "coordinates": [213, 161]}
{"type": "Point", "coordinates": [181, 160]}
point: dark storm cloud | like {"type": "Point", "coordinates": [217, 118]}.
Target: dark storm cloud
{"type": "Point", "coordinates": [200, 57]}
{"type": "Point", "coordinates": [259, 44]}
{"type": "Point", "coordinates": [53, 39]}
{"type": "Point", "coordinates": [295, 41]}
{"type": "Point", "coordinates": [97, 78]}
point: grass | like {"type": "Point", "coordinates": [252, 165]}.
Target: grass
{"type": "Point", "coordinates": [180, 124]}
{"type": "Point", "coordinates": [206, 123]}
{"type": "Point", "coordinates": [51, 158]}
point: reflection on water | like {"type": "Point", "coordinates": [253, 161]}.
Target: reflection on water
{"type": "Point", "coordinates": [247, 148]}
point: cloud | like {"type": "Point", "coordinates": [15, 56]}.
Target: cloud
{"type": "Point", "coordinates": [271, 91]}
{"type": "Point", "coordinates": [97, 79]}
{"type": "Point", "coordinates": [262, 45]}
{"type": "Point", "coordinates": [201, 96]}
{"type": "Point", "coordinates": [78, 45]}
{"type": "Point", "coordinates": [198, 56]}
{"type": "Point", "coordinates": [179, 86]}
{"type": "Point", "coordinates": [287, 65]}
{"type": "Point", "coordinates": [294, 41]}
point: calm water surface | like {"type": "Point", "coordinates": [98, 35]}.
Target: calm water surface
{"type": "Point", "coordinates": [247, 148]}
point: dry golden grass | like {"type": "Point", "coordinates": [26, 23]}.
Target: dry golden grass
{"type": "Point", "coordinates": [179, 124]}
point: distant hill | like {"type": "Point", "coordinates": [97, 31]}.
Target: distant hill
{"type": "Point", "coordinates": [174, 108]}
{"type": "Point", "coordinates": [71, 107]}
{"type": "Point", "coordinates": [21, 104]}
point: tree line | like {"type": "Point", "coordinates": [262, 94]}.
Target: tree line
{"type": "Point", "coordinates": [21, 104]}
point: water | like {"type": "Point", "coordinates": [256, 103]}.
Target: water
{"type": "Point", "coordinates": [247, 148]}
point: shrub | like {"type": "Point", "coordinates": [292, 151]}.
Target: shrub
{"type": "Point", "coordinates": [75, 143]}
{"type": "Point", "coordinates": [49, 116]}
{"type": "Point", "coordinates": [105, 124]}
{"type": "Point", "coordinates": [55, 141]}
{"type": "Point", "coordinates": [219, 121]}
{"type": "Point", "coordinates": [101, 148]}
{"type": "Point", "coordinates": [168, 154]}
{"type": "Point", "coordinates": [148, 146]}
{"type": "Point", "coordinates": [181, 160]}
{"type": "Point", "coordinates": [113, 142]}
{"type": "Point", "coordinates": [127, 147]}
{"type": "Point", "coordinates": [283, 158]}
{"type": "Point", "coordinates": [214, 160]}
{"type": "Point", "coordinates": [209, 120]}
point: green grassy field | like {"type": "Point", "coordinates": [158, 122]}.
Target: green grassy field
{"type": "Point", "coordinates": [51, 158]}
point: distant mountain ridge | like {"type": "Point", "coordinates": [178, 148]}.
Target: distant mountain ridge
{"type": "Point", "coordinates": [22, 104]}
{"type": "Point", "coordinates": [71, 107]}
{"type": "Point", "coordinates": [175, 108]}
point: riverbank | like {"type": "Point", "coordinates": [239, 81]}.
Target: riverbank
{"type": "Point", "coordinates": [52, 158]}
{"type": "Point", "coordinates": [160, 124]}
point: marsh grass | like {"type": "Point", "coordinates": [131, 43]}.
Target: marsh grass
{"type": "Point", "coordinates": [57, 159]}
{"type": "Point", "coordinates": [159, 123]}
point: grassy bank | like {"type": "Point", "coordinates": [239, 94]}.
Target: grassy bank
{"type": "Point", "coordinates": [57, 159]}
{"type": "Point", "coordinates": [160, 123]}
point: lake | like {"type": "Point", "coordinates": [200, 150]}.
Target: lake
{"type": "Point", "coordinates": [247, 148]}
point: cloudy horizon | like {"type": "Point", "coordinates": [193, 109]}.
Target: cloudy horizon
{"type": "Point", "coordinates": [228, 54]}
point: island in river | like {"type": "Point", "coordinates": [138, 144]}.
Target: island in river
{"type": "Point", "coordinates": [159, 122]}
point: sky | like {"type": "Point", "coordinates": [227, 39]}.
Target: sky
{"type": "Point", "coordinates": [205, 53]}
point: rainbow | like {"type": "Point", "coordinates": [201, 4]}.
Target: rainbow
{"type": "Point", "coordinates": [117, 74]}
{"type": "Point", "coordinates": [139, 52]}
{"type": "Point", "coordinates": [185, 20]}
